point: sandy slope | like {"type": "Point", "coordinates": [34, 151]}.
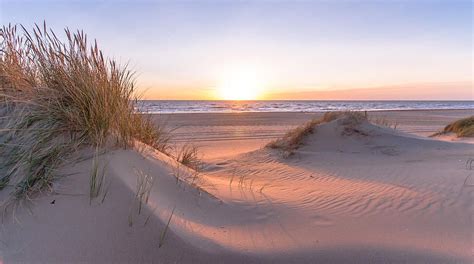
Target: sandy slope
{"type": "Point", "coordinates": [363, 195]}
{"type": "Point", "coordinates": [376, 190]}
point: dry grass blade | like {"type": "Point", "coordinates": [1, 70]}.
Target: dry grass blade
{"type": "Point", "coordinates": [144, 185]}
{"type": "Point", "coordinates": [97, 178]}
{"type": "Point", "coordinates": [163, 234]}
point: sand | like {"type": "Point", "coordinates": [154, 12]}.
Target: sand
{"type": "Point", "coordinates": [363, 194]}
{"type": "Point", "coordinates": [224, 134]}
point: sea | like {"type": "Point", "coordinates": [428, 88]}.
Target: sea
{"type": "Point", "coordinates": [198, 106]}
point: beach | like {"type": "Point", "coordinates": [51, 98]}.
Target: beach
{"type": "Point", "coordinates": [256, 132]}
{"type": "Point", "coordinates": [352, 192]}
{"type": "Point", "coordinates": [222, 134]}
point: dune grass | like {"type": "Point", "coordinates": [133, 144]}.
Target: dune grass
{"type": "Point", "coordinates": [350, 117]}
{"type": "Point", "coordinates": [97, 178]}
{"type": "Point", "coordinates": [144, 185]}
{"type": "Point", "coordinates": [163, 234]}
{"type": "Point", "coordinates": [188, 155]}
{"type": "Point", "coordinates": [294, 138]}
{"type": "Point", "coordinates": [462, 128]}
{"type": "Point", "coordinates": [60, 96]}
{"type": "Point", "coordinates": [382, 121]}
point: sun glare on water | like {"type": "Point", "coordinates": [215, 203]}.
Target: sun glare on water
{"type": "Point", "coordinates": [241, 86]}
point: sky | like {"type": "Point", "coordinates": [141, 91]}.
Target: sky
{"type": "Point", "coordinates": [276, 49]}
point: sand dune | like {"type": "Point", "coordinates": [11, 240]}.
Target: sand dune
{"type": "Point", "coordinates": [350, 194]}
{"type": "Point", "coordinates": [377, 188]}
{"type": "Point", "coordinates": [224, 134]}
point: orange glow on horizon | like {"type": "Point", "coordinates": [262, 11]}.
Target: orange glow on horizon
{"type": "Point", "coordinates": [240, 85]}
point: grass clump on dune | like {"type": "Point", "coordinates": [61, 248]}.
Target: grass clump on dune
{"type": "Point", "coordinates": [462, 128]}
{"type": "Point", "coordinates": [188, 155]}
{"type": "Point", "coordinates": [294, 138]}
{"type": "Point", "coordinates": [350, 117]}
{"type": "Point", "coordinates": [381, 121]}
{"type": "Point", "coordinates": [60, 96]}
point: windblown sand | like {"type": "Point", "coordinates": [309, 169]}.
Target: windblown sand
{"type": "Point", "coordinates": [350, 194]}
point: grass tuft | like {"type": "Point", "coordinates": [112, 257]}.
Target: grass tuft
{"type": "Point", "coordinates": [462, 128]}
{"type": "Point", "coordinates": [59, 96]}
{"type": "Point", "coordinates": [294, 138]}
{"type": "Point", "coordinates": [350, 117]}
{"type": "Point", "coordinates": [188, 155]}
{"type": "Point", "coordinates": [144, 185]}
{"type": "Point", "coordinates": [381, 121]}
{"type": "Point", "coordinates": [97, 178]}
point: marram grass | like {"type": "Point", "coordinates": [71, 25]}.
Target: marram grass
{"type": "Point", "coordinates": [462, 128]}
{"type": "Point", "coordinates": [58, 95]}
{"type": "Point", "coordinates": [294, 138]}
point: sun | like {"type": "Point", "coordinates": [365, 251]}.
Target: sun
{"type": "Point", "coordinates": [240, 86]}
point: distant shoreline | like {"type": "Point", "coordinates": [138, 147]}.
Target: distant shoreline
{"type": "Point", "coordinates": [171, 107]}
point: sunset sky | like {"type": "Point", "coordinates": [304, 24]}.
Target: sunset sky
{"type": "Point", "coordinates": [276, 49]}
